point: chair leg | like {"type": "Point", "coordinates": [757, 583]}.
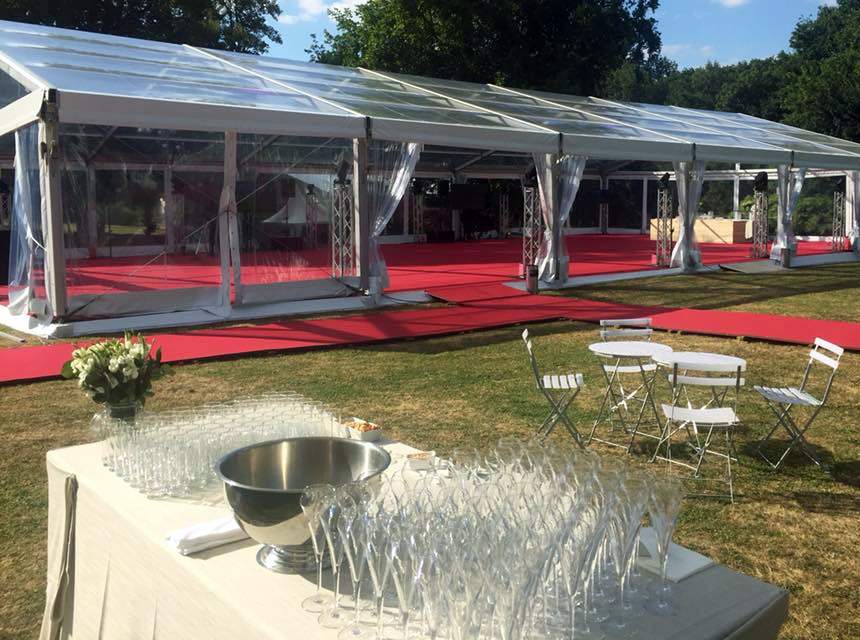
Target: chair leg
{"type": "Point", "coordinates": [730, 446]}
{"type": "Point", "coordinates": [702, 451]}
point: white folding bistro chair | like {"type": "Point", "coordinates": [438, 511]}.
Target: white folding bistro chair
{"type": "Point", "coordinates": [783, 400]}
{"type": "Point", "coordinates": [559, 390]}
{"type": "Point", "coordinates": [618, 398]}
{"type": "Point", "coordinates": [717, 415]}
{"type": "Point", "coordinates": [626, 329]}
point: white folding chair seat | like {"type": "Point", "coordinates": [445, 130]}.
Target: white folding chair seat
{"type": "Point", "coordinates": [788, 395]}
{"type": "Point", "coordinates": [566, 382]}
{"type": "Point", "coordinates": [783, 400]}
{"type": "Point", "coordinates": [709, 417]}
{"type": "Point", "coordinates": [559, 391]}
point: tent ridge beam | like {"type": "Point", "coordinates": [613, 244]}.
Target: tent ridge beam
{"type": "Point", "coordinates": [92, 154]}
{"type": "Point", "coordinates": [473, 160]}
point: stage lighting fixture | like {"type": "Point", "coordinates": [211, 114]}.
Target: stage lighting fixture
{"type": "Point", "coordinates": [342, 172]}
{"type": "Point", "coordinates": [530, 178]}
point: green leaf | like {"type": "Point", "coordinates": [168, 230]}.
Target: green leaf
{"type": "Point", "coordinates": [67, 372]}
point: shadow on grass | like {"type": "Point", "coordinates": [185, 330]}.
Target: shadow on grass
{"type": "Point", "coordinates": [847, 472]}
{"type": "Point", "coordinates": [735, 289]}
{"type": "Point", "coordinates": [431, 345]}
{"type": "Point", "coordinates": [796, 459]}
{"type": "Point", "coordinates": [827, 502]}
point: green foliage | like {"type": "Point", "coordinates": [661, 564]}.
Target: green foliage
{"type": "Point", "coordinates": [561, 45]}
{"type": "Point", "coordinates": [116, 371]}
{"type": "Point", "coordinates": [814, 87]}
{"type": "Point", "coordinates": [826, 94]}
{"type": "Point", "coordinates": [238, 25]}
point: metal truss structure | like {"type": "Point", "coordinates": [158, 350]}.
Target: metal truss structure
{"type": "Point", "coordinates": [837, 239]}
{"type": "Point", "coordinates": [664, 228]}
{"type": "Point", "coordinates": [758, 216]}
{"type": "Point", "coordinates": [342, 231]}
{"type": "Point", "coordinates": [532, 227]}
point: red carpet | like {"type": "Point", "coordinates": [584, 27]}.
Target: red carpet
{"type": "Point", "coordinates": [496, 306]}
{"type": "Point", "coordinates": [412, 267]}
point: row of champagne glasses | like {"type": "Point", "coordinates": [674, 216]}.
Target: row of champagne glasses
{"type": "Point", "coordinates": [172, 453]}
{"type": "Point", "coordinates": [525, 540]}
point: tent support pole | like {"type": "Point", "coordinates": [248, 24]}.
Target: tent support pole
{"type": "Point", "coordinates": [52, 209]}
{"type": "Point", "coordinates": [361, 211]}
{"type": "Point", "coordinates": [228, 232]}
{"type": "Point", "coordinates": [92, 213]}
{"type": "Point", "coordinates": [644, 227]}
{"type": "Point", "coordinates": [736, 193]}
{"type": "Point", "coordinates": [554, 218]}
{"type": "Point", "coordinates": [852, 203]}
{"type": "Point", "coordinates": [169, 211]}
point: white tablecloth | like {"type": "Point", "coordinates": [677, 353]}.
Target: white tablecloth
{"type": "Point", "coordinates": [112, 575]}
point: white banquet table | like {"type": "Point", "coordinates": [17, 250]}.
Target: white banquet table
{"type": "Point", "coordinates": [111, 574]}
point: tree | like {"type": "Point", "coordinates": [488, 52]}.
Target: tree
{"type": "Point", "coordinates": [642, 82]}
{"type": "Point", "coordinates": [235, 25]}
{"type": "Point", "coordinates": [826, 94]}
{"type": "Point", "coordinates": [758, 87]}
{"type": "Point", "coordinates": [559, 45]}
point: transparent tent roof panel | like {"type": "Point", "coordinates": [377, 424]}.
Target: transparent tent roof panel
{"type": "Point", "coordinates": [401, 106]}
{"type": "Point", "coordinates": [110, 65]}
{"type": "Point", "coordinates": [368, 94]}
{"type": "Point", "coordinates": [777, 135]}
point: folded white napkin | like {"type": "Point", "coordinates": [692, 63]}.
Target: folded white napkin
{"type": "Point", "coordinates": [206, 535]}
{"type": "Point", "coordinates": [682, 563]}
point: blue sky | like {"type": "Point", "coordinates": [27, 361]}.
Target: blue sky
{"type": "Point", "coordinates": [694, 31]}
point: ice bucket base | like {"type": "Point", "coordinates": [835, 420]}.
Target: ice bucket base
{"type": "Point", "coordinates": [298, 559]}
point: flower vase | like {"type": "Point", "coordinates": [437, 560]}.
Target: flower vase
{"type": "Point", "coordinates": [114, 426]}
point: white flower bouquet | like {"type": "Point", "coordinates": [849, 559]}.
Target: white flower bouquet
{"type": "Point", "coordinates": [118, 371]}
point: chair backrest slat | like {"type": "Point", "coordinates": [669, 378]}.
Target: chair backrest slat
{"type": "Point", "coordinates": [626, 322]}
{"type": "Point", "coordinates": [705, 381]}
{"type": "Point", "coordinates": [532, 359]}
{"type": "Point", "coordinates": [625, 328]}
{"type": "Point", "coordinates": [626, 333]}
{"type": "Point", "coordinates": [833, 348]}
{"type": "Point", "coordinates": [823, 359]}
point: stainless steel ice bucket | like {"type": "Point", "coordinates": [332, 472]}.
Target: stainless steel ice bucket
{"type": "Point", "coordinates": [264, 482]}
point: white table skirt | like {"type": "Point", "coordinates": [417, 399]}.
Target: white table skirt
{"type": "Point", "coordinates": [122, 581]}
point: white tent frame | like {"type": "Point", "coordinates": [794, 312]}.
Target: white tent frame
{"type": "Point", "coordinates": [671, 134]}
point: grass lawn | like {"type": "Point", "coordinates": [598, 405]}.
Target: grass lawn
{"type": "Point", "coordinates": [797, 528]}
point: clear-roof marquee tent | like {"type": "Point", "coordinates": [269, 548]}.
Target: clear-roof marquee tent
{"type": "Point", "coordinates": [83, 105]}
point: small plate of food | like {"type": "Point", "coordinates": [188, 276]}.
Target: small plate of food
{"type": "Point", "coordinates": [363, 430]}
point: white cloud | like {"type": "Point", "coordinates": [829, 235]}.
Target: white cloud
{"type": "Point", "coordinates": [706, 49]}
{"type": "Point", "coordinates": [828, 3]}
{"type": "Point", "coordinates": [731, 4]}
{"type": "Point", "coordinates": [675, 49]}
{"type": "Point", "coordinates": [309, 10]}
